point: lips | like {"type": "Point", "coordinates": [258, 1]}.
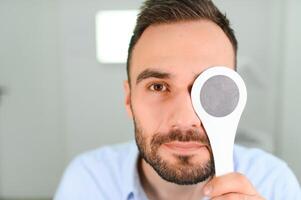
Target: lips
{"type": "Point", "coordinates": [184, 147]}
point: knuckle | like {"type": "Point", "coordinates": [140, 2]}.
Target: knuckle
{"type": "Point", "coordinates": [242, 178]}
{"type": "Point", "coordinates": [232, 196]}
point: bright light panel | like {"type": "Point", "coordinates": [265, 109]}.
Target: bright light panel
{"type": "Point", "coordinates": [114, 29]}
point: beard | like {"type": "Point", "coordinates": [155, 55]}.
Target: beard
{"type": "Point", "coordinates": [184, 171]}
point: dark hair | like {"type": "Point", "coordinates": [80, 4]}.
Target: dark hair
{"type": "Point", "coordinates": [170, 11]}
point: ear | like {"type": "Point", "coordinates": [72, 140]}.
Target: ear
{"type": "Point", "coordinates": [127, 98]}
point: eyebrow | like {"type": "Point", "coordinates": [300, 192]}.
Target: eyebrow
{"type": "Point", "coordinates": [151, 73]}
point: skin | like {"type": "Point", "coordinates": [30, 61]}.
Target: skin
{"type": "Point", "coordinates": [180, 51]}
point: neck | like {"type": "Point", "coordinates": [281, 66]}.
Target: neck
{"type": "Point", "coordinates": [157, 188]}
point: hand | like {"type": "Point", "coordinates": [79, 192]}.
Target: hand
{"type": "Point", "coordinates": [231, 186]}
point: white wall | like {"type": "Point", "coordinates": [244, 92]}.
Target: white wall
{"type": "Point", "coordinates": [257, 25]}
{"type": "Point", "coordinates": [93, 95]}
{"type": "Point", "coordinates": [61, 102]}
{"type": "Point", "coordinates": [31, 140]}
{"type": "Point", "coordinates": [289, 140]}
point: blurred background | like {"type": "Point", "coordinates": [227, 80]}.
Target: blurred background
{"type": "Point", "coordinates": [58, 100]}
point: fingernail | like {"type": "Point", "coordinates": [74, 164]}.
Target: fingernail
{"type": "Point", "coordinates": [206, 198]}
{"type": "Point", "coordinates": [207, 190]}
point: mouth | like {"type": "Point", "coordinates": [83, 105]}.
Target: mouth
{"type": "Point", "coordinates": [185, 148]}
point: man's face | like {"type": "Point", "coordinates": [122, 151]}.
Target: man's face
{"type": "Point", "coordinates": [165, 62]}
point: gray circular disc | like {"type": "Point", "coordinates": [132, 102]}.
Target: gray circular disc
{"type": "Point", "coordinates": [219, 96]}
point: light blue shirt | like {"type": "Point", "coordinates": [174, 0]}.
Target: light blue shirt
{"type": "Point", "coordinates": [111, 173]}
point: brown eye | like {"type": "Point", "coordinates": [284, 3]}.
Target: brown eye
{"type": "Point", "coordinates": [158, 87]}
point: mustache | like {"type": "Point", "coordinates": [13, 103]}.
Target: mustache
{"type": "Point", "coordinates": [191, 135]}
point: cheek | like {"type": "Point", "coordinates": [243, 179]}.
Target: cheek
{"type": "Point", "coordinates": [150, 111]}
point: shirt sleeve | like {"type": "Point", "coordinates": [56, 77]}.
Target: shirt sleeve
{"type": "Point", "coordinates": [78, 184]}
{"type": "Point", "coordinates": [288, 186]}
{"type": "Point", "coordinates": [271, 176]}
{"type": "Point", "coordinates": [281, 184]}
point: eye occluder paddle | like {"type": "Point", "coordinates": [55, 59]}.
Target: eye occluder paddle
{"type": "Point", "coordinates": [219, 97]}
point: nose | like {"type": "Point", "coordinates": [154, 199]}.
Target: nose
{"type": "Point", "coordinates": [182, 114]}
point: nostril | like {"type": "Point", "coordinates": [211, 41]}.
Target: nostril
{"type": "Point", "coordinates": [186, 124]}
{"type": "Point", "coordinates": [194, 126]}
{"type": "Point", "coordinates": [174, 127]}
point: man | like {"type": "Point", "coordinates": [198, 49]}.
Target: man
{"type": "Point", "coordinates": [173, 42]}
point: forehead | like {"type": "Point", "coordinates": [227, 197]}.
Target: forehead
{"type": "Point", "coordinates": [182, 48]}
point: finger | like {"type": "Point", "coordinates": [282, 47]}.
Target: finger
{"type": "Point", "coordinates": [229, 183]}
{"type": "Point", "coordinates": [237, 196]}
